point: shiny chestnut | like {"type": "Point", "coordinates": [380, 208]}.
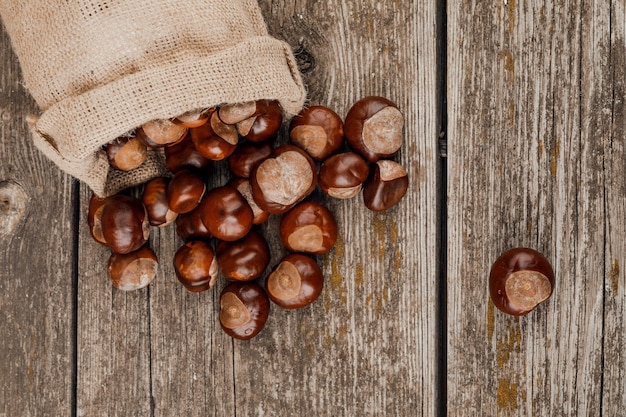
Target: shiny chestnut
{"type": "Point", "coordinates": [247, 156]}
{"type": "Point", "coordinates": [226, 213]}
{"type": "Point", "coordinates": [386, 185]}
{"type": "Point", "coordinates": [287, 177]}
{"type": "Point", "coordinates": [264, 122]}
{"type": "Point", "coordinates": [184, 155]}
{"type": "Point", "coordinates": [309, 227]}
{"type": "Point", "coordinates": [185, 191]}
{"type": "Point", "coordinates": [295, 282]}
{"type": "Point", "coordinates": [318, 130]}
{"type": "Point", "coordinates": [244, 309]}
{"type": "Point", "coordinates": [161, 132]}
{"type": "Point", "coordinates": [125, 225]}
{"type": "Point", "coordinates": [196, 266]}
{"type": "Point", "coordinates": [189, 226]}
{"type": "Point", "coordinates": [154, 198]}
{"type": "Point", "coordinates": [245, 259]}
{"type": "Point", "coordinates": [520, 279]}
{"type": "Point", "coordinates": [94, 218]}
{"type": "Point", "coordinates": [214, 140]}
{"type": "Point", "coordinates": [243, 186]}
{"type": "Point", "coordinates": [126, 153]}
{"type": "Point", "coordinates": [373, 128]}
{"type": "Point", "coordinates": [134, 270]}
{"type": "Point", "coordinates": [342, 175]}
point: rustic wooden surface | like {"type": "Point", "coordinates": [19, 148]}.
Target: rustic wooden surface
{"type": "Point", "coordinates": [534, 97]}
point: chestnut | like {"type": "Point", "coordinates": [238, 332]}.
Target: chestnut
{"type": "Point", "coordinates": [295, 282]}
{"type": "Point", "coordinates": [226, 213]}
{"type": "Point", "coordinates": [94, 218]}
{"type": "Point", "coordinates": [161, 132]}
{"type": "Point", "coordinates": [243, 186]}
{"type": "Point", "coordinates": [244, 259]}
{"type": "Point", "coordinates": [126, 153]}
{"type": "Point", "coordinates": [125, 225]}
{"type": "Point", "coordinates": [184, 155]}
{"type": "Point", "coordinates": [342, 175]}
{"type": "Point", "coordinates": [185, 191]}
{"type": "Point", "coordinates": [134, 270]}
{"type": "Point", "coordinates": [189, 226]}
{"type": "Point", "coordinates": [264, 122]}
{"type": "Point", "coordinates": [247, 156]}
{"type": "Point", "coordinates": [318, 130]}
{"type": "Point", "coordinates": [232, 114]}
{"type": "Point", "coordinates": [196, 266]}
{"type": "Point", "coordinates": [214, 140]}
{"type": "Point", "coordinates": [244, 309]}
{"type": "Point", "coordinates": [309, 227]}
{"type": "Point", "coordinates": [287, 177]}
{"type": "Point", "coordinates": [373, 128]}
{"type": "Point", "coordinates": [193, 118]}
{"type": "Point", "coordinates": [386, 185]}
{"type": "Point", "coordinates": [154, 198]}
{"type": "Point", "coordinates": [520, 279]}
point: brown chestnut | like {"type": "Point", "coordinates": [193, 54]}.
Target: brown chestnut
{"type": "Point", "coordinates": [264, 123]}
{"type": "Point", "coordinates": [295, 282]}
{"type": "Point", "coordinates": [342, 175]}
{"type": "Point", "coordinates": [125, 225]}
{"type": "Point", "coordinates": [154, 198]}
{"type": "Point", "coordinates": [193, 118]}
{"type": "Point", "coordinates": [226, 213]}
{"type": "Point", "coordinates": [214, 140]}
{"type": "Point", "coordinates": [161, 132]}
{"type": "Point", "coordinates": [520, 279]}
{"type": "Point", "coordinates": [373, 128]}
{"type": "Point", "coordinates": [184, 155]}
{"type": "Point", "coordinates": [126, 153]}
{"type": "Point", "coordinates": [94, 218]}
{"type": "Point", "coordinates": [309, 227]}
{"type": "Point", "coordinates": [247, 156]}
{"type": "Point", "coordinates": [134, 270]}
{"type": "Point", "coordinates": [243, 186]}
{"type": "Point", "coordinates": [185, 191]}
{"type": "Point", "coordinates": [189, 226]}
{"type": "Point", "coordinates": [244, 309]}
{"type": "Point", "coordinates": [287, 177]}
{"type": "Point", "coordinates": [196, 266]}
{"type": "Point", "coordinates": [232, 114]}
{"type": "Point", "coordinates": [318, 130]}
{"type": "Point", "coordinates": [387, 183]}
{"type": "Point", "coordinates": [244, 259]}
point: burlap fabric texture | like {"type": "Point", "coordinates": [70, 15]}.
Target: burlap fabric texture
{"type": "Point", "coordinates": [100, 68]}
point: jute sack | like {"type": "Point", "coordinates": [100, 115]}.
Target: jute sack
{"type": "Point", "coordinates": [101, 68]}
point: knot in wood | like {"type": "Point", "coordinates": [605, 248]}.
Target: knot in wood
{"type": "Point", "coordinates": [13, 207]}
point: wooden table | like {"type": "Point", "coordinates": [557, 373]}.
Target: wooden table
{"type": "Point", "coordinates": [514, 137]}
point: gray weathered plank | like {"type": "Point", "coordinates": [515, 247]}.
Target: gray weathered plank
{"type": "Point", "coordinates": [36, 263]}
{"type": "Point", "coordinates": [527, 143]}
{"type": "Point", "coordinates": [368, 346]}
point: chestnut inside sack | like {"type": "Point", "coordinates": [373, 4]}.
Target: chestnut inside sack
{"type": "Point", "coordinates": [94, 81]}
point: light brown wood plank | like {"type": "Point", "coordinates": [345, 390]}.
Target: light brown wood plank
{"type": "Point", "coordinates": [36, 263]}
{"type": "Point", "coordinates": [527, 139]}
{"type": "Point", "coordinates": [368, 346]}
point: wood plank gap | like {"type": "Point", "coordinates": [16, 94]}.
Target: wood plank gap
{"type": "Point", "coordinates": [150, 367]}
{"type": "Point", "coordinates": [74, 333]}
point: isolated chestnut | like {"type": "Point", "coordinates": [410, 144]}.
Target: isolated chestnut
{"type": "Point", "coordinates": [342, 175]}
{"type": "Point", "coordinates": [189, 226]}
{"type": "Point", "coordinates": [285, 178]}
{"type": "Point", "coordinates": [154, 198]}
{"type": "Point", "coordinates": [126, 153]}
{"type": "Point", "coordinates": [226, 213]}
{"type": "Point", "coordinates": [193, 118]}
{"type": "Point", "coordinates": [309, 227]}
{"type": "Point", "coordinates": [94, 218]}
{"type": "Point", "coordinates": [185, 191]}
{"type": "Point", "coordinates": [245, 259]}
{"type": "Point", "coordinates": [184, 155]}
{"type": "Point", "coordinates": [295, 282]}
{"type": "Point", "coordinates": [134, 270]}
{"type": "Point", "coordinates": [386, 185]}
{"type": "Point", "coordinates": [244, 309]}
{"type": "Point", "coordinates": [264, 123]}
{"type": "Point", "coordinates": [196, 266]}
{"type": "Point", "coordinates": [125, 225]}
{"type": "Point", "coordinates": [247, 156]}
{"type": "Point", "coordinates": [212, 144]}
{"type": "Point", "coordinates": [520, 279]}
{"type": "Point", "coordinates": [161, 132]}
{"type": "Point", "coordinates": [243, 186]}
{"type": "Point", "coordinates": [373, 128]}
{"type": "Point", "coordinates": [318, 130]}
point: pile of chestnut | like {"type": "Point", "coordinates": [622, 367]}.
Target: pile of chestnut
{"type": "Point", "coordinates": [217, 225]}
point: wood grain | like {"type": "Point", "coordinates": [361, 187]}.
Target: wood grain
{"type": "Point", "coordinates": [36, 263]}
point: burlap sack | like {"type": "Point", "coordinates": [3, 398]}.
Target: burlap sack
{"type": "Point", "coordinates": [100, 68]}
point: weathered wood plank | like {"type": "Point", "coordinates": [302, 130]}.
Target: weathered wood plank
{"type": "Point", "coordinates": [527, 141]}
{"type": "Point", "coordinates": [36, 263]}
{"type": "Point", "coordinates": [367, 347]}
